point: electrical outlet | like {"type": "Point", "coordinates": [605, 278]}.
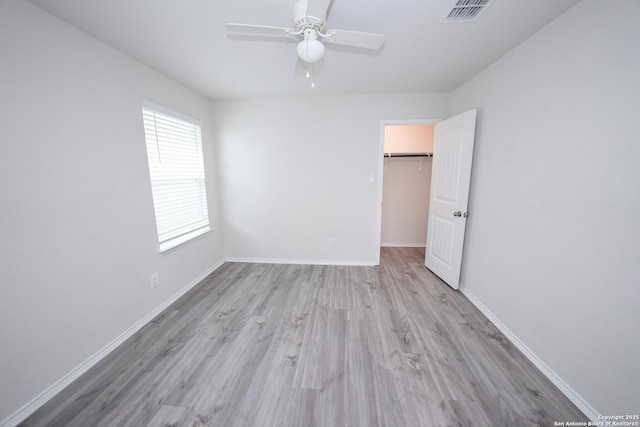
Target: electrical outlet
{"type": "Point", "coordinates": [331, 242]}
{"type": "Point", "coordinates": [154, 279]}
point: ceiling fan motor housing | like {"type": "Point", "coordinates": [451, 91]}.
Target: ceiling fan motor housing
{"type": "Point", "coordinates": [302, 22]}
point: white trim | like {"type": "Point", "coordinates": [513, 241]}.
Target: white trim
{"type": "Point", "coordinates": [565, 388]}
{"type": "Point", "coordinates": [376, 249]}
{"type": "Point", "coordinates": [176, 242]}
{"type": "Point", "coordinates": [383, 123]}
{"type": "Point", "coordinates": [37, 402]}
{"type": "Point", "coordinates": [365, 263]}
{"type": "Point", "coordinates": [168, 111]}
{"type": "Point", "coordinates": [403, 245]}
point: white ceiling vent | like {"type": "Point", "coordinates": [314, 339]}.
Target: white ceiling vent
{"type": "Point", "coordinates": [465, 10]}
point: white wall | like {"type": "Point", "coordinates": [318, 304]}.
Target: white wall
{"type": "Point", "coordinates": [405, 201]}
{"type": "Point", "coordinates": [77, 221]}
{"type": "Point", "coordinates": [294, 172]}
{"type": "Point", "coordinates": [553, 240]}
{"type": "Point", "coordinates": [408, 138]}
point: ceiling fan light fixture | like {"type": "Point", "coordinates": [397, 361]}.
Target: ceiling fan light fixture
{"type": "Point", "coordinates": [309, 22]}
{"type": "Point", "coordinates": [310, 50]}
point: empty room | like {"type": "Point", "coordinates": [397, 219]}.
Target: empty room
{"type": "Point", "coordinates": [319, 213]}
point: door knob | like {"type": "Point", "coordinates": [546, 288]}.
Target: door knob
{"type": "Point", "coordinates": [458, 214]}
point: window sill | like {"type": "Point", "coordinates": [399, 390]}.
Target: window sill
{"type": "Point", "coordinates": [183, 240]}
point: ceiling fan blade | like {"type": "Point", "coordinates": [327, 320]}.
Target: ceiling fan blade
{"type": "Point", "coordinates": [318, 9]}
{"type": "Point", "coordinates": [258, 29]}
{"type": "Point", "coordinates": [355, 38]}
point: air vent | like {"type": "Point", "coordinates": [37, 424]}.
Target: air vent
{"type": "Point", "coordinates": [465, 10]}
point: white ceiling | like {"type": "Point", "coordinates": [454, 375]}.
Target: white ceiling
{"type": "Point", "coordinates": [187, 40]}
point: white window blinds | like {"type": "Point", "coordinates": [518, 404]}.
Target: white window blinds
{"type": "Point", "coordinates": [174, 150]}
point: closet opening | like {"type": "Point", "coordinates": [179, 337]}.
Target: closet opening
{"type": "Point", "coordinates": [407, 156]}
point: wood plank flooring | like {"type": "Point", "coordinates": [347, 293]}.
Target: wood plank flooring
{"type": "Point", "coordinates": [300, 345]}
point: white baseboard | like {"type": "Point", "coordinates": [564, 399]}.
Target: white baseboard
{"type": "Point", "coordinates": [63, 382]}
{"type": "Point", "coordinates": [365, 263]}
{"type": "Point", "coordinates": [37, 402]}
{"type": "Point", "coordinates": [565, 388]}
{"type": "Point", "coordinates": [403, 245]}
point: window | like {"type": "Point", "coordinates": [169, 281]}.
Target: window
{"type": "Point", "coordinates": [174, 151]}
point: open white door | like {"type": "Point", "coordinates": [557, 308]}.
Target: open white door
{"type": "Point", "coordinates": [451, 176]}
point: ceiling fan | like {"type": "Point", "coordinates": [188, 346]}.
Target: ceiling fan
{"type": "Point", "coordinates": [309, 23]}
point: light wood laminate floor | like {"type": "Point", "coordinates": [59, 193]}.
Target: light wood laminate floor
{"type": "Point", "coordinates": [300, 345]}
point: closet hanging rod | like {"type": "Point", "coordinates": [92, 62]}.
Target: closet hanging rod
{"type": "Point", "coordinates": [391, 155]}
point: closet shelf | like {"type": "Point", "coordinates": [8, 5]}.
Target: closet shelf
{"type": "Point", "coordinates": [392, 155]}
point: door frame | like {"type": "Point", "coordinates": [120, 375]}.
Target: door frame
{"type": "Point", "coordinates": [383, 123]}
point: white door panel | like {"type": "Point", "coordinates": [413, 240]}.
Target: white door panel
{"type": "Point", "coordinates": [452, 158]}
